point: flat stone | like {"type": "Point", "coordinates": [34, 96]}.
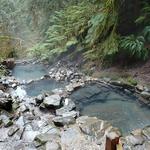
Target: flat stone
{"type": "Point", "coordinates": [73, 114]}
{"type": "Point", "coordinates": [13, 130]}
{"type": "Point", "coordinates": [52, 101]}
{"type": "Point", "coordinates": [61, 121]}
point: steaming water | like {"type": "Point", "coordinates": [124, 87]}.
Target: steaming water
{"type": "Point", "coordinates": [42, 86]}
{"type": "Point", "coordinates": [121, 109]}
{"type": "Point", "coordinates": [29, 71]}
{"type": "Point", "coordinates": [35, 71]}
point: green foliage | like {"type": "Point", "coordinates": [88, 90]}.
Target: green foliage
{"type": "Point", "coordinates": [134, 46]}
{"type": "Point", "coordinates": [102, 30]}
{"type": "Point", "coordinates": [104, 50]}
{"type": "Point", "coordinates": [144, 17]}
{"type": "Point", "coordinates": [146, 33]}
{"type": "Point", "coordinates": [66, 24]}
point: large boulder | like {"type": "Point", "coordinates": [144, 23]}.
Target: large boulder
{"type": "Point", "coordinates": [52, 101]}
{"type": "Point", "coordinates": [73, 138]}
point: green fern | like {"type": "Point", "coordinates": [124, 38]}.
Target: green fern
{"type": "Point", "coordinates": [144, 17]}
{"type": "Point", "coordinates": [146, 33]}
{"type": "Point", "coordinates": [134, 46]}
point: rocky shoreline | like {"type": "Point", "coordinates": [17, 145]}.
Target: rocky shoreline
{"type": "Point", "coordinates": [51, 121]}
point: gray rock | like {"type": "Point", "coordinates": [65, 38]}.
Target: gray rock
{"type": "Point", "coordinates": [61, 121]}
{"type": "Point", "coordinates": [52, 101]}
{"type": "Point", "coordinates": [69, 105]}
{"type": "Point", "coordinates": [146, 145]}
{"type": "Point", "coordinates": [13, 130]}
{"type": "Point", "coordinates": [73, 114]}
{"type": "Point", "coordinates": [145, 95]}
{"type": "Point", "coordinates": [6, 121]}
{"type": "Point", "coordinates": [146, 132]}
{"type": "Point", "coordinates": [52, 146]}
{"type": "Point", "coordinates": [41, 139]}
{"type": "Point", "coordinates": [134, 140]}
{"type": "Point", "coordinates": [39, 99]}
{"type": "Point", "coordinates": [140, 87]}
{"type": "Point", "coordinates": [73, 139]}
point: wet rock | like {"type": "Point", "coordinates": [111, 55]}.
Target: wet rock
{"type": "Point", "coordinates": [13, 130]}
{"type": "Point", "coordinates": [52, 146]}
{"type": "Point", "coordinates": [146, 132]}
{"type": "Point", "coordinates": [145, 95]}
{"type": "Point", "coordinates": [53, 101]}
{"type": "Point", "coordinates": [61, 121]}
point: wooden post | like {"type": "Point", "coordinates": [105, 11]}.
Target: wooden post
{"type": "Point", "coordinates": [111, 144]}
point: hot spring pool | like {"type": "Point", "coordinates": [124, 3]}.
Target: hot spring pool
{"type": "Point", "coordinates": [121, 109]}
{"type": "Point", "coordinates": [38, 87]}
{"type": "Point", "coordinates": [29, 71]}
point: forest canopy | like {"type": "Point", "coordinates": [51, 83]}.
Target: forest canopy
{"type": "Point", "coordinates": [100, 30]}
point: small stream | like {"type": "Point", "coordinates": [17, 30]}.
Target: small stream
{"type": "Point", "coordinates": [121, 109]}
